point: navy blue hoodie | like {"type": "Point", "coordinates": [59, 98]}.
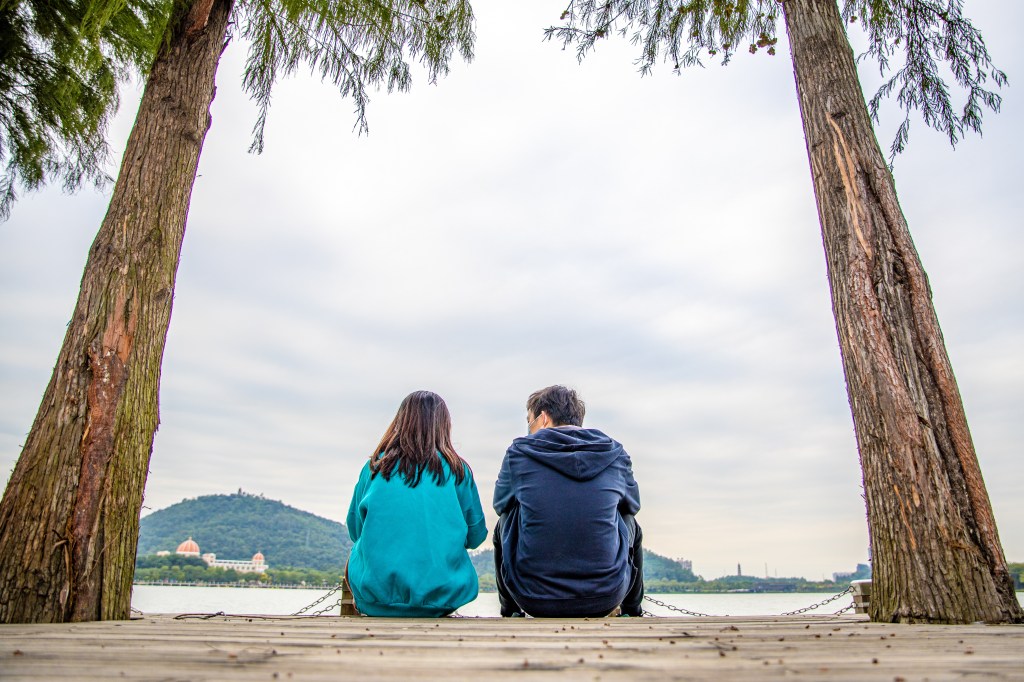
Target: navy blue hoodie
{"type": "Point", "coordinates": [565, 545]}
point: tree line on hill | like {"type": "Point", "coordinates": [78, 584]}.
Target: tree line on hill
{"type": "Point", "coordinates": [176, 568]}
{"type": "Point", "coordinates": [664, 575]}
{"type": "Point", "coordinates": [237, 526]}
{"type": "Point", "coordinates": [661, 575]}
{"type": "Point", "coordinates": [1017, 573]}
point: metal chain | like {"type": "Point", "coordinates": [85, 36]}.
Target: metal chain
{"type": "Point", "coordinates": [680, 609]}
{"type": "Point", "coordinates": [325, 609]}
{"type": "Point", "coordinates": [848, 590]}
{"type": "Point", "coordinates": [688, 612]}
{"type": "Point", "coordinates": [328, 608]}
{"type": "Point", "coordinates": [843, 610]}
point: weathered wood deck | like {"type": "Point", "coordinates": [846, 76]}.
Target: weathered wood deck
{"type": "Point", "coordinates": [333, 648]}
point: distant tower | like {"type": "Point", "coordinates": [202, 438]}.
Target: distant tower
{"type": "Point", "coordinates": [739, 571]}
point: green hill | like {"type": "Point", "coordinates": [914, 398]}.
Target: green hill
{"type": "Point", "coordinates": [658, 567]}
{"type": "Point", "coordinates": [658, 570]}
{"type": "Point", "coordinates": [237, 526]}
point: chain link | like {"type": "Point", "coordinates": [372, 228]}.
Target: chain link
{"type": "Point", "coordinates": [325, 609]}
{"type": "Point", "coordinates": [848, 590]}
{"type": "Point", "coordinates": [328, 609]}
{"type": "Point", "coordinates": [797, 612]}
{"type": "Point", "coordinates": [680, 609]}
{"type": "Point", "coordinates": [843, 610]}
{"type": "Point", "coordinates": [305, 610]}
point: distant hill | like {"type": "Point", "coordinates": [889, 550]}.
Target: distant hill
{"type": "Point", "coordinates": [237, 526]}
{"type": "Point", "coordinates": [659, 567]}
{"type": "Point", "coordinates": [656, 567]}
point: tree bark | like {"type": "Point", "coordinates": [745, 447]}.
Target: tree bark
{"type": "Point", "coordinates": [935, 549]}
{"type": "Point", "coordinates": [70, 514]}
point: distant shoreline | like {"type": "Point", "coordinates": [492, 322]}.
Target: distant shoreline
{"type": "Point", "coordinates": [243, 585]}
{"type": "Point", "coordinates": [328, 586]}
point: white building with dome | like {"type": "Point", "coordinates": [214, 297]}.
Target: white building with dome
{"type": "Point", "coordinates": [257, 564]}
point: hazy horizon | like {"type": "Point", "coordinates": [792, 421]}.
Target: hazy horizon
{"type": "Point", "coordinates": [485, 547]}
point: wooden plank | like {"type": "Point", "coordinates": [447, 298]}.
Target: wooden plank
{"type": "Point", "coordinates": [322, 648]}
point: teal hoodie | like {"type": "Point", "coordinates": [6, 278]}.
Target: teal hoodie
{"type": "Point", "coordinates": [409, 554]}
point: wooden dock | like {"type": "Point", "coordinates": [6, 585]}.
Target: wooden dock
{"type": "Point", "coordinates": [333, 648]}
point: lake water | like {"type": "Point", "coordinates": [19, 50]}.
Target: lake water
{"type": "Point", "coordinates": [238, 600]}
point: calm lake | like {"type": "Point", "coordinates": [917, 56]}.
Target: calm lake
{"type": "Point", "coordinates": [237, 600]}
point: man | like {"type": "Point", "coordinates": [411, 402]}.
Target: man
{"type": "Point", "coordinates": [566, 543]}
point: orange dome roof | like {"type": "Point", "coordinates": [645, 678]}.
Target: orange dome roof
{"type": "Point", "coordinates": [257, 557]}
{"type": "Point", "coordinates": [188, 547]}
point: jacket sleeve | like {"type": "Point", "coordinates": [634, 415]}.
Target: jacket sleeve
{"type": "Point", "coordinates": [472, 510]}
{"type": "Point", "coordinates": [354, 520]}
{"type": "Point", "coordinates": [504, 495]}
{"type": "Point", "coordinates": [630, 503]}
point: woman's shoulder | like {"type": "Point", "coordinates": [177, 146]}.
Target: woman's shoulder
{"type": "Point", "coordinates": [448, 467]}
{"type": "Point", "coordinates": [366, 470]}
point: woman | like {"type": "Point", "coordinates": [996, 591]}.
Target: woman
{"type": "Point", "coordinates": [414, 513]}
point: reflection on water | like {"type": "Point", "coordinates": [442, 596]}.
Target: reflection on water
{"type": "Point", "coordinates": [237, 600]}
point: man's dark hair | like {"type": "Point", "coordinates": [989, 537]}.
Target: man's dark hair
{"type": "Point", "coordinates": [562, 404]}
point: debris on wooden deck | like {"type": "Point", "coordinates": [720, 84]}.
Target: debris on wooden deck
{"type": "Point", "coordinates": [333, 648]}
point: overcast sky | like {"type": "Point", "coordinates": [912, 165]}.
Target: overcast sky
{"type": "Point", "coordinates": [652, 242]}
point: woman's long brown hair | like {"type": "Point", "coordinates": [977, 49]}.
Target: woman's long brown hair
{"type": "Point", "coordinates": [421, 429]}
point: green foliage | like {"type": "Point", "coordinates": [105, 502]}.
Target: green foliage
{"type": "Point", "coordinates": [298, 576]}
{"type": "Point", "coordinates": [237, 526]}
{"type": "Point", "coordinates": [862, 572]}
{"type": "Point", "coordinates": [60, 63]}
{"type": "Point", "coordinates": [678, 31]}
{"type": "Point", "coordinates": [487, 581]}
{"type": "Point", "coordinates": [194, 574]}
{"type": "Point", "coordinates": [1017, 573]}
{"type": "Point", "coordinates": [658, 567]}
{"type": "Point", "coordinates": [354, 45]}
{"type": "Point", "coordinates": [928, 32]}
{"type": "Point", "coordinates": [924, 33]}
{"type": "Point", "coordinates": [152, 568]}
{"type": "Point", "coordinates": [663, 575]}
{"type": "Point", "coordinates": [483, 561]}
{"type": "Point", "coordinates": [154, 561]}
{"type": "Point", "coordinates": [745, 583]}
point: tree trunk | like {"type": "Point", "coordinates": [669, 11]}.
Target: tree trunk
{"type": "Point", "coordinates": [69, 517]}
{"type": "Point", "coordinates": [935, 549]}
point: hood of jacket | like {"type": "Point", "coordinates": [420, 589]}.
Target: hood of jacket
{"type": "Point", "coordinates": [580, 454]}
